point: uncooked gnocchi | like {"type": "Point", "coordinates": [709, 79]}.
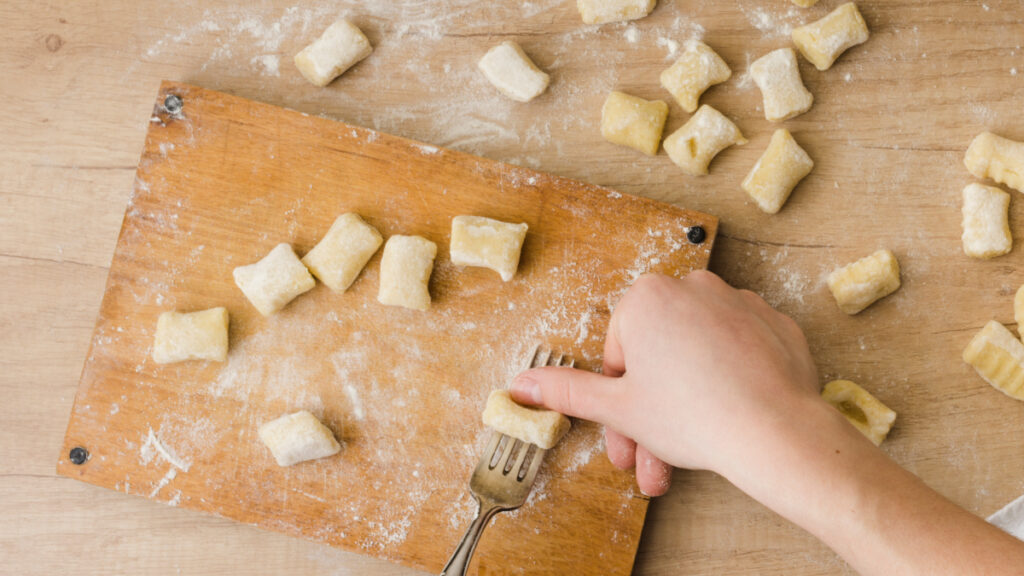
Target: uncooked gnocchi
{"type": "Point", "coordinates": [998, 357]}
{"type": "Point", "coordinates": [275, 280]}
{"type": "Point", "coordinates": [782, 166]}
{"type": "Point", "coordinates": [405, 271]}
{"type": "Point", "coordinates": [986, 222]}
{"type": "Point", "coordinates": [805, 3]}
{"type": "Point", "coordinates": [778, 76]}
{"type": "Point", "coordinates": [533, 425]}
{"type": "Point", "coordinates": [860, 408]}
{"type": "Point", "coordinates": [335, 51]}
{"type": "Point", "coordinates": [343, 252]}
{"type": "Point", "coordinates": [998, 158]}
{"type": "Point", "coordinates": [858, 285]}
{"type": "Point", "coordinates": [1018, 310]}
{"type": "Point", "coordinates": [489, 243]}
{"type": "Point", "coordinates": [603, 11]}
{"type": "Point", "coordinates": [694, 72]}
{"type": "Point", "coordinates": [822, 42]}
{"type": "Point", "coordinates": [184, 336]}
{"type": "Point", "coordinates": [696, 143]}
{"type": "Point", "coordinates": [298, 437]}
{"type": "Point", "coordinates": [634, 122]}
{"type": "Point", "coordinates": [512, 72]}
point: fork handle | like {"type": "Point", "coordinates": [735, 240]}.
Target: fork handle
{"type": "Point", "coordinates": [459, 562]}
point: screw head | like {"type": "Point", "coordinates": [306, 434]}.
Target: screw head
{"type": "Point", "coordinates": [696, 234]}
{"type": "Point", "coordinates": [78, 455]}
{"type": "Point", "coordinates": [173, 104]}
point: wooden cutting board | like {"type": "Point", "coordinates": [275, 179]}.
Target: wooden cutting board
{"type": "Point", "coordinates": [226, 179]}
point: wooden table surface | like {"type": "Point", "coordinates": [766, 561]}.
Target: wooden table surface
{"type": "Point", "coordinates": [888, 130]}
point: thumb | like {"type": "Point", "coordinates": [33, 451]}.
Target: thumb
{"type": "Point", "coordinates": [572, 392]}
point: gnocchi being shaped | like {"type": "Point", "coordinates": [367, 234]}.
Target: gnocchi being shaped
{"type": "Point", "coordinates": [184, 336]}
{"type": "Point", "coordinates": [405, 270]}
{"type": "Point", "coordinates": [778, 77]}
{"type": "Point", "coordinates": [782, 166]}
{"type": "Point", "coordinates": [512, 72]}
{"type": "Point", "coordinates": [695, 71]}
{"type": "Point", "coordinates": [604, 11]}
{"type": "Point", "coordinates": [998, 357]}
{"type": "Point", "coordinates": [986, 222]}
{"type": "Point", "coordinates": [696, 143]}
{"type": "Point", "coordinates": [998, 158]}
{"type": "Point", "coordinates": [634, 122]}
{"type": "Point", "coordinates": [822, 42]}
{"type": "Point", "coordinates": [863, 410]}
{"type": "Point", "coordinates": [533, 425]}
{"type": "Point", "coordinates": [298, 437]}
{"type": "Point", "coordinates": [479, 241]}
{"type": "Point", "coordinates": [339, 48]}
{"type": "Point", "coordinates": [860, 284]}
{"type": "Point", "coordinates": [274, 281]}
{"type": "Point", "coordinates": [343, 252]}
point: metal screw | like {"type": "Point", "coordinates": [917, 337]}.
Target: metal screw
{"type": "Point", "coordinates": [78, 455]}
{"type": "Point", "coordinates": [696, 234]}
{"type": "Point", "coordinates": [173, 104]}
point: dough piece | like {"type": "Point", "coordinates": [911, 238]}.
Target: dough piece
{"type": "Point", "coordinates": [782, 166]}
{"type": "Point", "coordinates": [805, 3]}
{"type": "Point", "coordinates": [707, 133]}
{"type": "Point", "coordinates": [405, 272]}
{"type": "Point", "coordinates": [1018, 310]}
{"type": "Point", "coordinates": [694, 72]}
{"type": "Point", "coordinates": [630, 121]}
{"type": "Point", "coordinates": [863, 410]}
{"type": "Point", "coordinates": [199, 335]}
{"type": "Point", "coordinates": [335, 51]}
{"type": "Point", "coordinates": [603, 11]}
{"type": "Point", "coordinates": [298, 437]}
{"type": "Point", "coordinates": [512, 72]}
{"type": "Point", "coordinates": [999, 359]}
{"type": "Point", "coordinates": [998, 158]}
{"type": "Point", "coordinates": [986, 222]}
{"type": "Point", "coordinates": [275, 280]}
{"type": "Point", "coordinates": [823, 41]}
{"type": "Point", "coordinates": [343, 252]}
{"type": "Point", "coordinates": [858, 285]}
{"type": "Point", "coordinates": [479, 241]}
{"type": "Point", "coordinates": [533, 425]}
{"type": "Point", "coordinates": [778, 76]}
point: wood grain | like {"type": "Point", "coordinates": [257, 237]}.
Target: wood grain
{"type": "Point", "coordinates": [888, 129]}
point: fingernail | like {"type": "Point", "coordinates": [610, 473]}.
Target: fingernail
{"type": "Point", "coordinates": [527, 388]}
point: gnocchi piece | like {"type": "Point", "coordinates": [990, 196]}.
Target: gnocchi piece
{"type": "Point", "coordinates": [339, 48]}
{"type": "Point", "coordinates": [298, 437]}
{"type": "Point", "coordinates": [998, 158]}
{"type": "Point", "coordinates": [998, 357]}
{"type": "Point", "coordinates": [986, 222]}
{"type": "Point", "coordinates": [342, 253]}
{"type": "Point", "coordinates": [479, 241]}
{"type": "Point", "coordinates": [782, 166]}
{"type": "Point", "coordinates": [696, 143]}
{"type": "Point", "coordinates": [630, 121]}
{"type": "Point", "coordinates": [604, 11]}
{"type": "Point", "coordinates": [274, 281]}
{"type": "Point", "coordinates": [694, 72]}
{"type": "Point", "coordinates": [858, 285]}
{"type": "Point", "coordinates": [805, 3]}
{"type": "Point", "coordinates": [405, 271]}
{"type": "Point", "coordinates": [533, 425]}
{"type": "Point", "coordinates": [863, 410]}
{"type": "Point", "coordinates": [184, 336]}
{"type": "Point", "coordinates": [1018, 310]}
{"type": "Point", "coordinates": [512, 72]}
{"type": "Point", "coordinates": [822, 42]}
{"type": "Point", "coordinates": [777, 75]}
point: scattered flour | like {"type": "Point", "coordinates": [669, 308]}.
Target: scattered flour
{"type": "Point", "coordinates": [769, 22]}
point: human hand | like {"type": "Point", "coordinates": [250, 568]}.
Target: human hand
{"type": "Point", "coordinates": [696, 374]}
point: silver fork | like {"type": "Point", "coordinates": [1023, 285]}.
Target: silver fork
{"type": "Point", "coordinates": [500, 481]}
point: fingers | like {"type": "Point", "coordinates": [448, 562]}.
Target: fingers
{"type": "Point", "coordinates": [621, 450]}
{"type": "Point", "coordinates": [614, 363]}
{"type": "Point", "coordinates": [652, 475]}
{"type": "Point", "coordinates": [572, 392]}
